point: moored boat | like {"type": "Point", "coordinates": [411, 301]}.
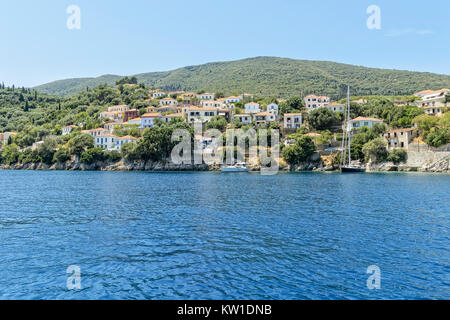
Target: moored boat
{"type": "Point", "coordinates": [238, 167]}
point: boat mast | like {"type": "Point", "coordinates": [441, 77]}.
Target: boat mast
{"type": "Point", "coordinates": [348, 126]}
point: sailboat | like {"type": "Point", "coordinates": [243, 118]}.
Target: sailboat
{"type": "Point", "coordinates": [346, 159]}
{"type": "Point", "coordinates": [237, 167]}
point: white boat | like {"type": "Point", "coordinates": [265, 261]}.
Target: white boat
{"type": "Point", "coordinates": [238, 167]}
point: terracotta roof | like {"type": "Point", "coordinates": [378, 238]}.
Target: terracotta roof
{"type": "Point", "coordinates": [365, 119]}
{"type": "Point", "coordinates": [242, 115]}
{"type": "Point", "coordinates": [401, 130]}
{"type": "Point", "coordinates": [263, 114]}
{"type": "Point", "coordinates": [173, 115]}
{"type": "Point", "coordinates": [202, 109]}
{"type": "Point", "coordinates": [127, 138]}
{"type": "Point", "coordinates": [151, 115]}
{"type": "Point", "coordinates": [292, 114]}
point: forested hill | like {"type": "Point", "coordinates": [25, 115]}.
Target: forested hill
{"type": "Point", "coordinates": [270, 76]}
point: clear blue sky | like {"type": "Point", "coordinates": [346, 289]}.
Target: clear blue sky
{"type": "Point", "coordinates": [135, 36]}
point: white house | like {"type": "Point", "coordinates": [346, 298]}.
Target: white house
{"type": "Point", "coordinates": [336, 107]}
{"type": "Point", "coordinates": [292, 120]}
{"type": "Point", "coordinates": [434, 99]}
{"type": "Point", "coordinates": [273, 108]}
{"type": "Point", "coordinates": [206, 96]}
{"type": "Point", "coordinates": [232, 99]}
{"type": "Point", "coordinates": [252, 107]}
{"type": "Point", "coordinates": [313, 102]}
{"type": "Point", "coordinates": [4, 137]}
{"type": "Point", "coordinates": [148, 119]}
{"type": "Point", "coordinates": [360, 122]}
{"type": "Point", "coordinates": [168, 102]}
{"type": "Point", "coordinates": [120, 141]}
{"type": "Point", "coordinates": [432, 110]}
{"type": "Point", "coordinates": [135, 121]}
{"type": "Point", "coordinates": [213, 104]}
{"type": "Point", "coordinates": [68, 129]}
{"type": "Point", "coordinates": [96, 132]}
{"type": "Point", "coordinates": [243, 118]}
{"type": "Point", "coordinates": [120, 108]}
{"type": "Point", "coordinates": [112, 115]}
{"type": "Point", "coordinates": [172, 116]}
{"type": "Point", "coordinates": [201, 114]}
{"type": "Point", "coordinates": [158, 94]}
{"type": "Point", "coordinates": [105, 141]}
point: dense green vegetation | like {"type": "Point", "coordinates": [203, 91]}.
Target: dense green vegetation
{"type": "Point", "coordinates": [270, 76]}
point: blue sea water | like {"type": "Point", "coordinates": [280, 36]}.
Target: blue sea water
{"type": "Point", "coordinates": [141, 235]}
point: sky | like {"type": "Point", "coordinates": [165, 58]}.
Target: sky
{"type": "Point", "coordinates": [137, 36]}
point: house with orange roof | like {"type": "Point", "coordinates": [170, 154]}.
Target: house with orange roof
{"type": "Point", "coordinates": [434, 99]}
{"type": "Point", "coordinates": [105, 141]}
{"type": "Point", "coordinates": [4, 137]}
{"type": "Point", "coordinates": [336, 107]}
{"type": "Point", "coordinates": [206, 96]}
{"type": "Point", "coordinates": [264, 117]}
{"type": "Point", "coordinates": [243, 118]}
{"type": "Point", "coordinates": [292, 120]}
{"type": "Point", "coordinates": [158, 94]}
{"type": "Point", "coordinates": [232, 99]}
{"type": "Point", "coordinates": [120, 141]}
{"type": "Point", "coordinates": [119, 108]}
{"type": "Point", "coordinates": [68, 129]}
{"type": "Point", "coordinates": [400, 138]}
{"type": "Point", "coordinates": [360, 122]}
{"type": "Point", "coordinates": [313, 102]}
{"type": "Point", "coordinates": [148, 119]}
{"type": "Point", "coordinates": [168, 102]}
{"type": "Point", "coordinates": [172, 116]}
{"type": "Point", "coordinates": [202, 114]}
{"type": "Point", "coordinates": [95, 132]}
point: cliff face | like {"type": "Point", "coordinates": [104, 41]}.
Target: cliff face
{"type": "Point", "coordinates": [417, 161]}
{"type": "Point", "coordinates": [104, 166]}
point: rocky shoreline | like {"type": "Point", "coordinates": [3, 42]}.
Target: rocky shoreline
{"type": "Point", "coordinates": [415, 163]}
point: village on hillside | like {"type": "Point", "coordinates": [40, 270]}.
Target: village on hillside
{"type": "Point", "coordinates": [314, 116]}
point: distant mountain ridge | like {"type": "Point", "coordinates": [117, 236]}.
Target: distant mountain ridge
{"type": "Point", "coordinates": [271, 76]}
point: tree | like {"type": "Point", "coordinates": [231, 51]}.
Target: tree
{"type": "Point", "coordinates": [397, 156]}
{"type": "Point", "coordinates": [322, 118]}
{"type": "Point", "coordinates": [438, 137]}
{"type": "Point", "coordinates": [375, 150]}
{"type": "Point", "coordinates": [10, 154]}
{"type": "Point", "coordinates": [46, 150]}
{"type": "Point", "coordinates": [290, 105]}
{"type": "Point", "coordinates": [61, 156]}
{"type": "Point", "coordinates": [300, 152]}
{"type": "Point", "coordinates": [218, 122]}
{"type": "Point", "coordinates": [93, 155]}
{"type": "Point", "coordinates": [80, 143]}
{"type": "Point", "coordinates": [425, 123]}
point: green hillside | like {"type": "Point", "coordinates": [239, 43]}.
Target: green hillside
{"type": "Point", "coordinates": [269, 76]}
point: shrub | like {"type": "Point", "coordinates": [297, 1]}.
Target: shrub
{"type": "Point", "coordinates": [93, 155]}
{"type": "Point", "coordinates": [397, 156]}
{"type": "Point", "coordinates": [62, 155]}
{"type": "Point", "coordinates": [10, 154]}
{"type": "Point", "coordinates": [438, 137]}
{"type": "Point", "coordinates": [375, 150]}
{"type": "Point", "coordinates": [322, 118]}
{"type": "Point", "coordinates": [300, 151]}
{"type": "Point", "coordinates": [113, 156]}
